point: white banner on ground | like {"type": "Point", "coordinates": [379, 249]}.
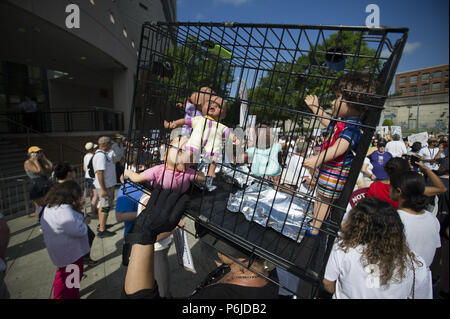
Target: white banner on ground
{"type": "Point", "coordinates": [183, 250]}
{"type": "Point", "coordinates": [419, 137]}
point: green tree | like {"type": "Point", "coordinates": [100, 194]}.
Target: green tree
{"type": "Point", "coordinates": [388, 122]}
{"type": "Point", "coordinates": [287, 84]}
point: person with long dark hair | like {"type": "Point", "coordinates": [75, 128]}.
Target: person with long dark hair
{"type": "Point", "coordinates": [371, 258]}
{"type": "Point", "coordinates": [38, 169]}
{"type": "Point", "coordinates": [65, 233]}
{"type": "Point", "coordinates": [421, 227]}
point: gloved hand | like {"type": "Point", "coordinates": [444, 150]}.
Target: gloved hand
{"type": "Point", "coordinates": [162, 214]}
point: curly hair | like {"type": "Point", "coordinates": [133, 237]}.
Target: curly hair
{"type": "Point", "coordinates": [357, 87]}
{"type": "Point", "coordinates": [68, 193]}
{"type": "Point", "coordinates": [376, 226]}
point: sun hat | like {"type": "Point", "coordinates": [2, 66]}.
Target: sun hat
{"type": "Point", "coordinates": [104, 140]}
{"type": "Point", "coordinates": [34, 149]}
{"type": "Point", "coordinates": [89, 146]}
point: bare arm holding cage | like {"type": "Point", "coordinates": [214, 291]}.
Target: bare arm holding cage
{"type": "Point", "coordinates": [313, 103]}
{"type": "Point", "coordinates": [135, 177]}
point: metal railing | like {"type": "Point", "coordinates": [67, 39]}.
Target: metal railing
{"type": "Point", "coordinates": [14, 193]}
{"type": "Point", "coordinates": [30, 132]}
{"type": "Point", "coordinates": [63, 121]}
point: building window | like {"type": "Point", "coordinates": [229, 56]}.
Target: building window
{"type": "Point", "coordinates": [436, 86]}
{"type": "Point", "coordinates": [437, 75]}
{"type": "Point", "coordinates": [413, 89]}
{"type": "Point", "coordinates": [425, 88]}
{"type": "Point", "coordinates": [143, 6]}
{"type": "Point", "coordinates": [413, 79]}
{"type": "Point", "coordinates": [402, 80]}
{"type": "Point", "coordinates": [111, 17]}
{"type": "Point", "coordinates": [425, 77]}
{"type": "Point", "coordinates": [446, 84]}
{"type": "Point", "coordinates": [446, 73]}
{"type": "Point", "coordinates": [402, 90]}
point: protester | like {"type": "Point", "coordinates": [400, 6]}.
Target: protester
{"type": "Point", "coordinates": [65, 234]}
{"type": "Point", "coordinates": [381, 189]}
{"type": "Point", "coordinates": [105, 181]}
{"type": "Point", "coordinates": [231, 280]}
{"type": "Point", "coordinates": [64, 172]}
{"type": "Point", "coordinates": [367, 174]}
{"type": "Point", "coordinates": [5, 235]}
{"type": "Point", "coordinates": [396, 147]}
{"type": "Point", "coordinates": [430, 154]}
{"type": "Point", "coordinates": [90, 149]}
{"type": "Point", "coordinates": [421, 227]}
{"type": "Point", "coordinates": [379, 158]}
{"type": "Point", "coordinates": [119, 150]}
{"type": "Point", "coordinates": [371, 259]}
{"type": "Point", "coordinates": [38, 169]}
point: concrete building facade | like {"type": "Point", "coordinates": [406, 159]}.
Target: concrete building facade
{"type": "Point", "coordinates": [86, 68]}
{"type": "Point", "coordinates": [429, 112]}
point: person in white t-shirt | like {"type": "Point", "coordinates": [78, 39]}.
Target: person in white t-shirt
{"type": "Point", "coordinates": [429, 154]}
{"type": "Point", "coordinates": [105, 181]}
{"type": "Point", "coordinates": [421, 227]}
{"type": "Point", "coordinates": [396, 147]}
{"type": "Point", "coordinates": [90, 149]}
{"type": "Point", "coordinates": [371, 259]}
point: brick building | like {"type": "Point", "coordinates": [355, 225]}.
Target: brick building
{"type": "Point", "coordinates": [423, 81]}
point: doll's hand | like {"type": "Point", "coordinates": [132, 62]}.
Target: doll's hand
{"type": "Point", "coordinates": [312, 101]}
{"type": "Point", "coordinates": [169, 124]}
{"type": "Point", "coordinates": [311, 163]}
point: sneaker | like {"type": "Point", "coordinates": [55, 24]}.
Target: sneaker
{"type": "Point", "coordinates": [104, 234]}
{"type": "Point", "coordinates": [107, 226]}
{"type": "Point", "coordinates": [90, 262]}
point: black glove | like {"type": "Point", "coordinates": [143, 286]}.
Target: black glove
{"type": "Point", "coordinates": [162, 214]}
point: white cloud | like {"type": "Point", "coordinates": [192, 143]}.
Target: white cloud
{"type": "Point", "coordinates": [234, 2]}
{"type": "Point", "coordinates": [410, 47]}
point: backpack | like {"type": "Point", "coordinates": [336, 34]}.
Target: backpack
{"type": "Point", "coordinates": [90, 166]}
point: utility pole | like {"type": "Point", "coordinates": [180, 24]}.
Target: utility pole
{"type": "Point", "coordinates": [418, 108]}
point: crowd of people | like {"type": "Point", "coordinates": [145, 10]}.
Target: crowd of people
{"type": "Point", "coordinates": [393, 242]}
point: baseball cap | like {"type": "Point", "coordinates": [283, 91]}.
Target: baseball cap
{"type": "Point", "coordinates": [34, 149]}
{"type": "Point", "coordinates": [221, 244]}
{"type": "Point", "coordinates": [89, 146]}
{"type": "Point", "coordinates": [104, 140]}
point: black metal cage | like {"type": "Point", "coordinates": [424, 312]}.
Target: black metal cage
{"type": "Point", "coordinates": [264, 73]}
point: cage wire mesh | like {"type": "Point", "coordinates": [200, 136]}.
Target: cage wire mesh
{"type": "Point", "coordinates": [263, 73]}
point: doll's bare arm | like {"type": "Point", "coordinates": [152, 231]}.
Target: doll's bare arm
{"type": "Point", "coordinates": [175, 124]}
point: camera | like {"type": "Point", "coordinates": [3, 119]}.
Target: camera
{"type": "Point", "coordinates": [413, 159]}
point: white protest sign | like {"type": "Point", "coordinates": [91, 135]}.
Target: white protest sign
{"type": "Point", "coordinates": [396, 130]}
{"type": "Point", "coordinates": [183, 250]}
{"type": "Point", "coordinates": [419, 137]}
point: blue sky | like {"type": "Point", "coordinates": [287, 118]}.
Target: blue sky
{"type": "Point", "coordinates": [428, 21]}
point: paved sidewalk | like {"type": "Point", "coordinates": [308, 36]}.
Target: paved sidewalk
{"type": "Point", "coordinates": [30, 272]}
